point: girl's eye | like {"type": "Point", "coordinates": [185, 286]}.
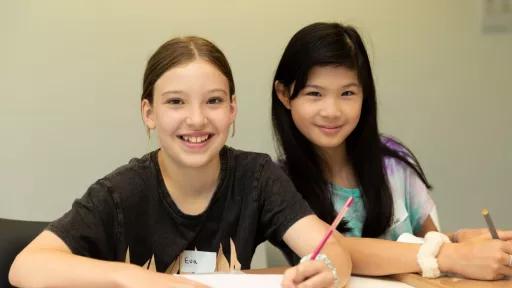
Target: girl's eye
{"type": "Point", "coordinates": [175, 101]}
{"type": "Point", "coordinates": [215, 100]}
{"type": "Point", "coordinates": [347, 93]}
{"type": "Point", "coordinates": [313, 93]}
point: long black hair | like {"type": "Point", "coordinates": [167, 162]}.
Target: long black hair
{"type": "Point", "coordinates": [333, 44]}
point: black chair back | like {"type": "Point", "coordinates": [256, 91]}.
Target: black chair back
{"type": "Point", "coordinates": [14, 236]}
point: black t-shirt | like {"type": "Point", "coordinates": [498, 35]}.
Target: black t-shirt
{"type": "Point", "coordinates": [129, 215]}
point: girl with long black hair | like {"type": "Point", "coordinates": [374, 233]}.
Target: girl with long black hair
{"type": "Point", "coordinates": [324, 115]}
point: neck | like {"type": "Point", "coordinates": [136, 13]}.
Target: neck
{"type": "Point", "coordinates": [190, 192]}
{"type": "Point", "coordinates": [338, 167]}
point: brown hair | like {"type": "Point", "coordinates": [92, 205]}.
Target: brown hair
{"type": "Point", "coordinates": [179, 51]}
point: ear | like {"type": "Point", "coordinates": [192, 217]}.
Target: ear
{"type": "Point", "coordinates": [283, 94]}
{"type": "Point", "coordinates": [233, 108]}
{"type": "Point", "coordinates": [148, 115]}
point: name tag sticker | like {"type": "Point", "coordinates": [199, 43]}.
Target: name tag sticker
{"type": "Point", "coordinates": [198, 261]}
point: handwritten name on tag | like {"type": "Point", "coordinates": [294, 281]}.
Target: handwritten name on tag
{"type": "Point", "coordinates": [198, 261]}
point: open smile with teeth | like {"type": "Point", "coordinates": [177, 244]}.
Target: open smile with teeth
{"type": "Point", "coordinates": [195, 139]}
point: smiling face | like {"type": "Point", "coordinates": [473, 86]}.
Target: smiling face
{"type": "Point", "coordinates": [191, 112]}
{"type": "Point", "coordinates": [327, 110]}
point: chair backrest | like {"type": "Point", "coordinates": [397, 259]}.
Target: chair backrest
{"type": "Point", "coordinates": [14, 236]}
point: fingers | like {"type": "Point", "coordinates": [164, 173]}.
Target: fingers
{"type": "Point", "coordinates": [322, 280]}
{"type": "Point", "coordinates": [505, 234]}
{"type": "Point", "coordinates": [288, 277]}
{"type": "Point", "coordinates": [505, 270]}
{"type": "Point", "coordinates": [502, 266]}
{"type": "Point", "coordinates": [507, 247]}
{"type": "Point", "coordinates": [308, 269]}
{"type": "Point", "coordinates": [480, 234]}
{"type": "Point", "coordinates": [505, 260]}
{"type": "Point", "coordinates": [308, 274]}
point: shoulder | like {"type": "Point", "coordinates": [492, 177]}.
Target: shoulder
{"type": "Point", "coordinates": [393, 149]}
{"type": "Point", "coordinates": [396, 146]}
{"type": "Point", "coordinates": [281, 163]}
{"type": "Point", "coordinates": [129, 178]}
{"type": "Point", "coordinates": [256, 169]}
{"type": "Point", "coordinates": [402, 178]}
{"type": "Point", "coordinates": [246, 161]}
{"type": "Point", "coordinates": [243, 156]}
{"type": "Point", "coordinates": [399, 174]}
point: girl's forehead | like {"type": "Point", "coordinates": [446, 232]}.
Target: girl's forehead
{"type": "Point", "coordinates": [331, 69]}
{"type": "Point", "coordinates": [331, 75]}
{"type": "Point", "coordinates": [193, 75]}
{"type": "Point", "coordinates": [197, 68]}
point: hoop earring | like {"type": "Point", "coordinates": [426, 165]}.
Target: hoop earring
{"type": "Point", "coordinates": [148, 132]}
{"type": "Point", "coordinates": [233, 131]}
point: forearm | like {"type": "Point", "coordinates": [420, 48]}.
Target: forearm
{"type": "Point", "coordinates": [51, 268]}
{"type": "Point", "coordinates": [377, 257]}
{"type": "Point", "coordinates": [340, 258]}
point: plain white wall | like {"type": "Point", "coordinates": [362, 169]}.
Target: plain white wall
{"type": "Point", "coordinates": [71, 73]}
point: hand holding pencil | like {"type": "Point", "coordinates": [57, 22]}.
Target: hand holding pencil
{"type": "Point", "coordinates": [479, 253]}
{"type": "Point", "coordinates": [322, 272]}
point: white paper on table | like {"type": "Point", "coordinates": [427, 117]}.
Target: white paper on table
{"type": "Point", "coordinates": [237, 280]}
{"type": "Point", "coordinates": [363, 282]}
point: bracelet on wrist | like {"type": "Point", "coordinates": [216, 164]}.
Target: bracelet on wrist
{"type": "Point", "coordinates": [427, 254]}
{"type": "Point", "coordinates": [324, 259]}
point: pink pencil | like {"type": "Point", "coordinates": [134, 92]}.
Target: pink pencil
{"type": "Point", "coordinates": [334, 224]}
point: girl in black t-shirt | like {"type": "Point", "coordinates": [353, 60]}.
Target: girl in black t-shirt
{"type": "Point", "coordinates": [193, 201]}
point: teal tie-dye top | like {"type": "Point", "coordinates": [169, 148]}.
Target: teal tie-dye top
{"type": "Point", "coordinates": [411, 198]}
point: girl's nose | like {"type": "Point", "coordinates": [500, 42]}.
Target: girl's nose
{"type": "Point", "coordinates": [330, 108]}
{"type": "Point", "coordinates": [196, 118]}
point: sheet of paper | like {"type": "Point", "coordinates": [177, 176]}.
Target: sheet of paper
{"type": "Point", "coordinates": [221, 280]}
{"type": "Point", "coordinates": [237, 280]}
{"type": "Point", "coordinates": [362, 282]}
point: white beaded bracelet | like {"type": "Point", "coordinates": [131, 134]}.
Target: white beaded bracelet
{"type": "Point", "coordinates": [428, 252]}
{"type": "Point", "coordinates": [323, 258]}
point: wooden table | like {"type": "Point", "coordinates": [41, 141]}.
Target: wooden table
{"type": "Point", "coordinates": [355, 281]}
{"type": "Point", "coordinates": [416, 280]}
{"type": "Point", "coordinates": [445, 282]}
